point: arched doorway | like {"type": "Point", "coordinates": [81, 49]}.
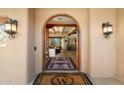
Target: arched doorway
{"type": "Point", "coordinates": [61, 43]}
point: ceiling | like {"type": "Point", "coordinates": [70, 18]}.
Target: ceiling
{"type": "Point", "coordinates": [60, 30]}
{"type": "Point", "coordinates": [61, 26]}
{"type": "Point", "coordinates": [61, 20]}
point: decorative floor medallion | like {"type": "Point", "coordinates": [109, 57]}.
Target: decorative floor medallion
{"type": "Point", "coordinates": [62, 79]}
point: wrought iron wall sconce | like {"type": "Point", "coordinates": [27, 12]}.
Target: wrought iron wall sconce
{"type": "Point", "coordinates": [107, 29]}
{"type": "Point", "coordinates": [11, 27]}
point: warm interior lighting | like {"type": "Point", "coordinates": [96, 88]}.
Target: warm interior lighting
{"type": "Point", "coordinates": [11, 28]}
{"type": "Point", "coordinates": [61, 29]}
{"type": "Point", "coordinates": [14, 28]}
{"type": "Point", "coordinates": [107, 29]}
{"type": "Point", "coordinates": [7, 27]}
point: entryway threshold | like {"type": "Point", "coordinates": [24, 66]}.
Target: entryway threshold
{"type": "Point", "coordinates": [61, 71]}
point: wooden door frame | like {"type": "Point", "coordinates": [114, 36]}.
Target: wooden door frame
{"type": "Point", "coordinates": [78, 41]}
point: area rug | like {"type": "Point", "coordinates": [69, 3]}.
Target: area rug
{"type": "Point", "coordinates": [60, 63]}
{"type": "Point", "coordinates": [62, 79]}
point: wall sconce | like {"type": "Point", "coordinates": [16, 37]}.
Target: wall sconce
{"type": "Point", "coordinates": [107, 29]}
{"type": "Point", "coordinates": [11, 27]}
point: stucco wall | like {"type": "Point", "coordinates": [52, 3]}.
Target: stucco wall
{"type": "Point", "coordinates": [30, 45]}
{"type": "Point", "coordinates": [13, 57]}
{"type": "Point", "coordinates": [102, 51]}
{"type": "Point", "coordinates": [120, 44]}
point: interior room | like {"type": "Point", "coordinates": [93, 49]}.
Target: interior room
{"type": "Point", "coordinates": [61, 46]}
{"type": "Point", "coordinates": [61, 43]}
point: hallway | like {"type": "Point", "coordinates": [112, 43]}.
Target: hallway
{"type": "Point", "coordinates": [60, 40]}
{"type": "Point", "coordinates": [66, 60]}
{"type": "Point", "coordinates": [60, 63]}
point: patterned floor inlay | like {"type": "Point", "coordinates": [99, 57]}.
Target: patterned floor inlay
{"type": "Point", "coordinates": [62, 79]}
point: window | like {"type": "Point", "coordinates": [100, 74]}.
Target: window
{"type": "Point", "coordinates": [2, 36]}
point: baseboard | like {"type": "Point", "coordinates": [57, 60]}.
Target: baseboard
{"type": "Point", "coordinates": [32, 81]}
{"type": "Point", "coordinates": [118, 78]}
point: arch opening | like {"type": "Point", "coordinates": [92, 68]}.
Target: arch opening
{"type": "Point", "coordinates": [61, 44]}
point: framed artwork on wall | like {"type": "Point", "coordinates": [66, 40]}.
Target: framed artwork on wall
{"type": "Point", "coordinates": [3, 35]}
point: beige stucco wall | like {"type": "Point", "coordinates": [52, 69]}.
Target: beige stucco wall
{"type": "Point", "coordinates": [102, 51]}
{"type": "Point", "coordinates": [42, 15]}
{"type": "Point", "coordinates": [13, 57]}
{"type": "Point", "coordinates": [30, 45]}
{"type": "Point", "coordinates": [120, 44]}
